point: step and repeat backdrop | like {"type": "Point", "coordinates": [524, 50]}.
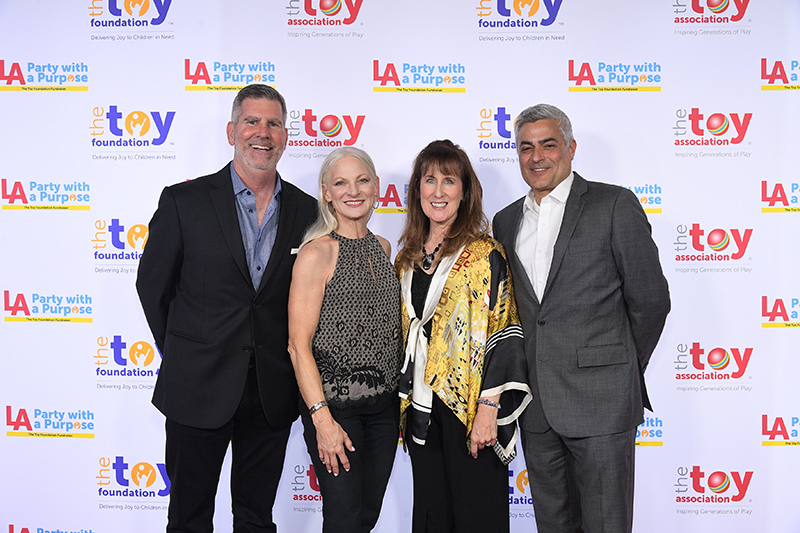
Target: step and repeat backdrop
{"type": "Point", "coordinates": [692, 104]}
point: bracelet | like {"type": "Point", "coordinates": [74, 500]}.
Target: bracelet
{"type": "Point", "coordinates": [316, 407]}
{"type": "Point", "coordinates": [490, 403]}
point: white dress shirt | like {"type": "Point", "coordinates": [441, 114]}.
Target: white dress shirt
{"type": "Point", "coordinates": [538, 232]}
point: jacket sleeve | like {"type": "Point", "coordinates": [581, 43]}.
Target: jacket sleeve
{"type": "Point", "coordinates": [160, 265]}
{"type": "Point", "coordinates": [644, 286]}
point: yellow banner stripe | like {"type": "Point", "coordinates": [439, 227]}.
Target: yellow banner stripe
{"type": "Point", "coordinates": [42, 88]}
{"type": "Point", "coordinates": [50, 435]}
{"type": "Point", "coordinates": [614, 89]}
{"type": "Point", "coordinates": [419, 89]}
{"type": "Point", "coordinates": [45, 319]}
{"type": "Point", "coordinates": [48, 207]}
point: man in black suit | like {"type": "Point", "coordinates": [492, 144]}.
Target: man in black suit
{"type": "Point", "coordinates": [592, 300]}
{"type": "Point", "coordinates": [214, 285]}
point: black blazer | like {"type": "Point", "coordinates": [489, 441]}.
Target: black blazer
{"type": "Point", "coordinates": [203, 311]}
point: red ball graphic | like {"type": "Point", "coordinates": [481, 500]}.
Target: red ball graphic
{"type": "Point", "coordinates": [717, 238]}
{"type": "Point", "coordinates": [330, 7]}
{"type": "Point", "coordinates": [715, 5]}
{"type": "Point", "coordinates": [718, 482]}
{"type": "Point", "coordinates": [716, 358]}
{"type": "Point", "coordinates": [717, 124]}
{"type": "Point", "coordinates": [330, 125]}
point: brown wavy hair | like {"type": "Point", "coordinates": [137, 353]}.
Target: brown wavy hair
{"type": "Point", "coordinates": [470, 222]}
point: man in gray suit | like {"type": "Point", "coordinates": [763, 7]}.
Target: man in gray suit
{"type": "Point", "coordinates": [592, 300]}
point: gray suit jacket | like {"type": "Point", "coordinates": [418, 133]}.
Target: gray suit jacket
{"type": "Point", "coordinates": [591, 336]}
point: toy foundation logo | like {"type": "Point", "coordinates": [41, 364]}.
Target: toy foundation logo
{"type": "Point", "coordinates": [419, 78]}
{"type": "Point", "coordinates": [701, 245]}
{"type": "Point", "coordinates": [615, 77]}
{"type": "Point", "coordinates": [305, 489]}
{"type": "Point", "coordinates": [47, 307]}
{"type": "Point", "coordinates": [48, 195]}
{"type": "Point", "coordinates": [135, 14]}
{"type": "Point", "coordinates": [44, 76]}
{"type": "Point", "coordinates": [123, 367]}
{"type": "Point", "coordinates": [111, 242]}
{"type": "Point", "coordinates": [701, 363]}
{"type": "Point", "coordinates": [709, 11]}
{"type": "Point", "coordinates": [142, 481]}
{"type": "Point", "coordinates": [519, 488]}
{"type": "Point", "coordinates": [774, 195]}
{"type": "Point", "coordinates": [723, 129]}
{"type": "Point", "coordinates": [115, 128]}
{"type": "Point", "coordinates": [778, 433]}
{"type": "Point", "coordinates": [50, 423]}
{"type": "Point", "coordinates": [650, 432]}
{"type": "Point", "coordinates": [495, 133]}
{"type": "Point", "coordinates": [227, 76]}
{"type": "Point", "coordinates": [778, 315]}
{"type": "Point", "coordinates": [718, 487]}
{"type": "Point", "coordinates": [322, 12]}
{"type": "Point", "coordinates": [310, 129]}
{"type": "Point", "coordinates": [518, 20]}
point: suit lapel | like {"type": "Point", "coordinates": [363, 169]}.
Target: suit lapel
{"type": "Point", "coordinates": [286, 222]}
{"type": "Point", "coordinates": [224, 207]}
{"type": "Point", "coordinates": [572, 212]}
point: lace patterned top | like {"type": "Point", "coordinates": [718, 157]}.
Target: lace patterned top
{"type": "Point", "coordinates": [357, 344]}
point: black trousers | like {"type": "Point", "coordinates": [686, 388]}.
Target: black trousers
{"type": "Point", "coordinates": [194, 460]}
{"type": "Point", "coordinates": [453, 492]}
{"type": "Point", "coordinates": [351, 501]}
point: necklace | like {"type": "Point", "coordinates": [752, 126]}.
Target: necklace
{"type": "Point", "coordinates": [427, 258]}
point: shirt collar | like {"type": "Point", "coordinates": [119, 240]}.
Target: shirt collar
{"type": "Point", "coordinates": [239, 187]}
{"type": "Point", "coordinates": [559, 194]}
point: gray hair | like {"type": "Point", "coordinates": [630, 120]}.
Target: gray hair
{"type": "Point", "coordinates": [256, 91]}
{"type": "Point", "coordinates": [541, 112]}
{"type": "Point", "coordinates": [326, 218]}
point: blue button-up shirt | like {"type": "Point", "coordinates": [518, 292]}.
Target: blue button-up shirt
{"type": "Point", "coordinates": [258, 241]}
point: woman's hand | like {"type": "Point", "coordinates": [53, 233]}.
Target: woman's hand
{"type": "Point", "coordinates": [332, 441]}
{"type": "Point", "coordinates": [484, 428]}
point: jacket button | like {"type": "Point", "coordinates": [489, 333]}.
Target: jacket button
{"type": "Point", "coordinates": [540, 322]}
{"type": "Point", "coordinates": [256, 306]}
{"type": "Point", "coordinates": [245, 348]}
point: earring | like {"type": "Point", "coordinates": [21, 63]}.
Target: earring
{"type": "Point", "coordinates": [376, 203]}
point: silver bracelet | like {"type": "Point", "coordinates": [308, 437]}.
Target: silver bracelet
{"type": "Point", "coordinates": [490, 403]}
{"type": "Point", "coordinates": [316, 407]}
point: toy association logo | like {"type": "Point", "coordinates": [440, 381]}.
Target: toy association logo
{"type": "Point", "coordinates": [111, 242]}
{"type": "Point", "coordinates": [777, 73]}
{"type": "Point", "coordinates": [694, 243]}
{"type": "Point", "coordinates": [615, 77]}
{"type": "Point", "coordinates": [227, 76]}
{"type": "Point", "coordinates": [519, 19]}
{"type": "Point", "coordinates": [114, 129]}
{"type": "Point", "coordinates": [48, 196]}
{"type": "Point", "coordinates": [419, 78]}
{"type": "Point", "coordinates": [72, 76]}
{"type": "Point", "coordinates": [141, 482]}
{"type": "Point", "coordinates": [650, 432]}
{"type": "Point", "coordinates": [718, 487]}
{"type": "Point", "coordinates": [322, 12]}
{"type": "Point", "coordinates": [50, 423]}
{"type": "Point", "coordinates": [125, 365]}
{"type": "Point", "coordinates": [778, 315]}
{"type": "Point", "coordinates": [778, 433]}
{"type": "Point", "coordinates": [306, 496]}
{"type": "Point", "coordinates": [699, 363]}
{"type": "Point", "coordinates": [310, 129]}
{"type": "Point", "coordinates": [47, 307]}
{"type": "Point", "coordinates": [117, 14]}
{"type": "Point", "coordinates": [709, 11]}
{"type": "Point", "coordinates": [777, 200]}
{"type": "Point", "coordinates": [723, 129]}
